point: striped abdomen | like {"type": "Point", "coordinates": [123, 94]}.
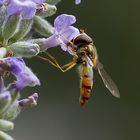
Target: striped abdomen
{"type": "Point", "coordinates": [86, 84]}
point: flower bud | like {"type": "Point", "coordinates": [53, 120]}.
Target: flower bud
{"type": "Point", "coordinates": [6, 125]}
{"type": "Point", "coordinates": [3, 52]}
{"type": "Point", "coordinates": [29, 102]}
{"type": "Point", "coordinates": [25, 27]}
{"type": "Point", "coordinates": [4, 136]}
{"type": "Point", "coordinates": [24, 49]}
{"type": "Point", "coordinates": [5, 101]}
{"type": "Point", "coordinates": [41, 42]}
{"type": "Point", "coordinates": [11, 26]}
{"type": "Point", "coordinates": [46, 10]}
{"type": "Point", "coordinates": [42, 26]}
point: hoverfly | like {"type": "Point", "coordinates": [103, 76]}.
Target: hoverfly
{"type": "Point", "coordinates": [86, 57]}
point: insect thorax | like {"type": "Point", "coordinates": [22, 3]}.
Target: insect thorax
{"type": "Point", "coordinates": [83, 46]}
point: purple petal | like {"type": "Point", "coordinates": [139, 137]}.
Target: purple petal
{"type": "Point", "coordinates": [26, 8]}
{"type": "Point", "coordinates": [70, 33]}
{"type": "Point", "coordinates": [63, 21]}
{"type": "Point", "coordinates": [77, 1]}
{"type": "Point", "coordinates": [2, 1]}
{"type": "Point", "coordinates": [64, 29]}
{"type": "Point", "coordinates": [38, 1]}
{"type": "Point", "coordinates": [25, 77]}
{"type": "Point", "coordinates": [52, 41]}
{"type": "Point", "coordinates": [29, 10]}
{"type": "Point", "coordinates": [15, 64]}
{"type": "Point", "coordinates": [64, 32]}
{"type": "Point", "coordinates": [14, 7]}
{"type": "Point", "coordinates": [63, 45]}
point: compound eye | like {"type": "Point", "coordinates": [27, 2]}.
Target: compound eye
{"type": "Point", "coordinates": [82, 39]}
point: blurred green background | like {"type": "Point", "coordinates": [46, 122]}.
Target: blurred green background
{"type": "Point", "coordinates": [114, 26]}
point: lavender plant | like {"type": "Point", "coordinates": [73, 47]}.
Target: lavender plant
{"type": "Point", "coordinates": [19, 20]}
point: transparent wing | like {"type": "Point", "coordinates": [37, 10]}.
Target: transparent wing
{"type": "Point", "coordinates": [109, 83]}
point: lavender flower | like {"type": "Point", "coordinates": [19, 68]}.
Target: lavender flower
{"type": "Point", "coordinates": [77, 1]}
{"type": "Point", "coordinates": [17, 17]}
{"type": "Point", "coordinates": [11, 106]}
{"type": "Point", "coordinates": [24, 76]}
{"type": "Point", "coordinates": [63, 32]}
{"type": "Point", "coordinates": [26, 8]}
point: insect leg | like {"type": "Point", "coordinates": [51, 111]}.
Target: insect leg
{"type": "Point", "coordinates": [56, 64]}
{"type": "Point", "coordinates": [68, 66]}
{"type": "Point", "coordinates": [51, 57]}
{"type": "Point", "coordinates": [49, 61]}
{"type": "Point", "coordinates": [64, 68]}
